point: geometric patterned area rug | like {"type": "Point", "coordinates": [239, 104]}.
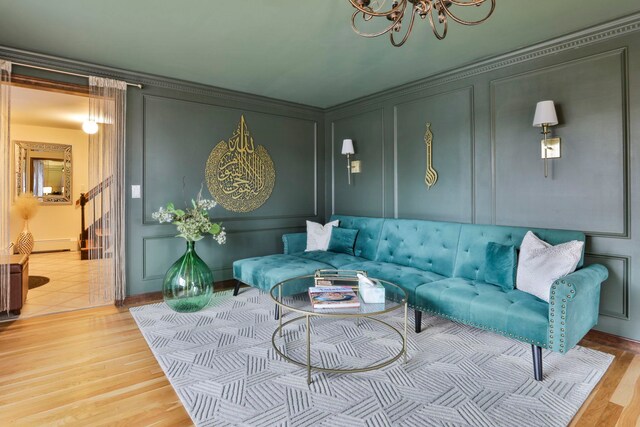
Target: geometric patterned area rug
{"type": "Point", "coordinates": [223, 367]}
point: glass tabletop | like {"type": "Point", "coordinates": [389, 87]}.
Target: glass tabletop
{"type": "Point", "coordinates": [293, 294]}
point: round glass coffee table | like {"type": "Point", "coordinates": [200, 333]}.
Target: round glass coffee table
{"type": "Point", "coordinates": [291, 295]}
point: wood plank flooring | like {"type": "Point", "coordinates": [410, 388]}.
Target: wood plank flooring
{"type": "Point", "coordinates": [93, 367]}
{"type": "Point", "coordinates": [89, 367]}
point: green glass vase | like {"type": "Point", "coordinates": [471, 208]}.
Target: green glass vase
{"type": "Point", "coordinates": [188, 285]}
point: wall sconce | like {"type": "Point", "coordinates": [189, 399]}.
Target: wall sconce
{"type": "Point", "coordinates": [545, 117]}
{"type": "Point", "coordinates": [352, 167]}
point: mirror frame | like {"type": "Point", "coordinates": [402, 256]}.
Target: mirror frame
{"type": "Point", "coordinates": [22, 147]}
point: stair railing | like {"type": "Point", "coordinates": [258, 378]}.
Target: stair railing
{"type": "Point", "coordinates": [82, 202]}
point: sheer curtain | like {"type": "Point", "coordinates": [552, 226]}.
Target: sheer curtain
{"type": "Point", "coordinates": [107, 107]}
{"type": "Point", "coordinates": [5, 182]}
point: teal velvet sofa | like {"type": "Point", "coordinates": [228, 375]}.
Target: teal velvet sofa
{"type": "Point", "coordinates": [441, 266]}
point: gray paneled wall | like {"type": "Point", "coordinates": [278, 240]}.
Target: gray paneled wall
{"type": "Point", "coordinates": [365, 195]}
{"type": "Point", "coordinates": [591, 104]}
{"type": "Point", "coordinates": [171, 133]}
{"type": "Point", "coordinates": [450, 115]}
{"type": "Point", "coordinates": [487, 154]}
{"type": "Point", "coordinates": [185, 132]}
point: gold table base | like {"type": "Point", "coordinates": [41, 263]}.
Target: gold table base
{"type": "Point", "coordinates": [307, 364]}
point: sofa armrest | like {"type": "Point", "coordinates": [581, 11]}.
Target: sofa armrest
{"type": "Point", "coordinates": [574, 303]}
{"type": "Point", "coordinates": [294, 242]}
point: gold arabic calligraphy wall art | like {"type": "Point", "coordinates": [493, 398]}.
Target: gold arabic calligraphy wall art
{"type": "Point", "coordinates": [431, 175]}
{"type": "Point", "coordinates": [240, 176]}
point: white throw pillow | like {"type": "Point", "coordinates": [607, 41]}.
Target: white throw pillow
{"type": "Point", "coordinates": [540, 264]}
{"type": "Point", "coordinates": [318, 235]}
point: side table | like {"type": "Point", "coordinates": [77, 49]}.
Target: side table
{"type": "Point", "coordinates": [18, 281]}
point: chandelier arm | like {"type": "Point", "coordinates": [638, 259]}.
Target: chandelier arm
{"type": "Point", "coordinates": [467, 2]}
{"type": "Point", "coordinates": [380, 5]}
{"type": "Point", "coordinates": [433, 25]}
{"type": "Point", "coordinates": [371, 35]}
{"type": "Point", "coordinates": [402, 4]}
{"type": "Point", "coordinates": [465, 22]}
{"type": "Point", "coordinates": [406, 36]}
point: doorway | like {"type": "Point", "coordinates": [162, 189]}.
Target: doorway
{"type": "Point", "coordinates": [50, 170]}
{"type": "Point", "coordinates": [101, 234]}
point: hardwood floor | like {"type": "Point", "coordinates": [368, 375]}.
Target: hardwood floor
{"type": "Point", "coordinates": [93, 367]}
{"type": "Point", "coordinates": [89, 367]}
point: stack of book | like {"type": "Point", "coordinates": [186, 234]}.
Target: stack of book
{"type": "Point", "coordinates": [323, 297]}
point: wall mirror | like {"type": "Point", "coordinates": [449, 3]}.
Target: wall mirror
{"type": "Point", "coordinates": [45, 170]}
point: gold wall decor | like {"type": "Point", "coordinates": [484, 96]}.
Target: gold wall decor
{"type": "Point", "coordinates": [240, 176]}
{"type": "Point", "coordinates": [431, 176]}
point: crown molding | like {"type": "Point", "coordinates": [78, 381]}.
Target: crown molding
{"type": "Point", "coordinates": [146, 79]}
{"type": "Point", "coordinates": [577, 39]}
{"type": "Point", "coordinates": [581, 38]}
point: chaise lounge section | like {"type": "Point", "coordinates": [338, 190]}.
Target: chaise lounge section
{"type": "Point", "coordinates": [441, 265]}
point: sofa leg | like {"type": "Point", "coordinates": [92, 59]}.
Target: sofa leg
{"type": "Point", "coordinates": [418, 321]}
{"type": "Point", "coordinates": [537, 362]}
{"type": "Point", "coordinates": [236, 289]}
{"type": "Point", "coordinates": [277, 312]}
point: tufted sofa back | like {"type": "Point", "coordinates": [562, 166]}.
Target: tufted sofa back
{"type": "Point", "coordinates": [446, 248]}
{"type": "Point", "coordinates": [368, 236]}
{"type": "Point", "coordinates": [472, 246]}
{"type": "Point", "coordinates": [427, 245]}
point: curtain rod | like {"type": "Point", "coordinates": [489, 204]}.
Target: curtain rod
{"type": "Point", "coordinates": [138, 85]}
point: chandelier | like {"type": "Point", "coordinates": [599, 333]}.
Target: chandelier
{"type": "Point", "coordinates": [438, 11]}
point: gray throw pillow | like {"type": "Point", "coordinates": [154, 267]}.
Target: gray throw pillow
{"type": "Point", "coordinates": [540, 264]}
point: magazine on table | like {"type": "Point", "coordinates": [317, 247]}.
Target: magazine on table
{"type": "Point", "coordinates": [333, 297]}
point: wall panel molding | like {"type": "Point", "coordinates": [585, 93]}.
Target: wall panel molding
{"type": "Point", "coordinates": [469, 90]}
{"type": "Point", "coordinates": [333, 120]}
{"type": "Point", "coordinates": [618, 54]}
{"type": "Point", "coordinates": [163, 238]}
{"type": "Point", "coordinates": [591, 184]}
{"type": "Point", "coordinates": [333, 167]}
{"type": "Point", "coordinates": [146, 215]}
{"type": "Point", "coordinates": [625, 262]}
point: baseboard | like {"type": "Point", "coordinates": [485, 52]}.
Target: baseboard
{"type": "Point", "coordinates": [150, 297]}
{"type": "Point", "coordinates": [612, 340]}
{"type": "Point", "coordinates": [53, 245]}
{"type": "Point", "coordinates": [141, 299]}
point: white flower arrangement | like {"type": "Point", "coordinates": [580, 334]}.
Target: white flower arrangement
{"type": "Point", "coordinates": [193, 223]}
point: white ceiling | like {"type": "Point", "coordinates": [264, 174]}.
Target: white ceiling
{"type": "Point", "coordinates": [51, 109]}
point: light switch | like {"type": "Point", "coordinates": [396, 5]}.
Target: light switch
{"type": "Point", "coordinates": [135, 191]}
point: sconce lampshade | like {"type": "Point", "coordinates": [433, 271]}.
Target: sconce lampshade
{"type": "Point", "coordinates": [545, 114]}
{"type": "Point", "coordinates": [347, 147]}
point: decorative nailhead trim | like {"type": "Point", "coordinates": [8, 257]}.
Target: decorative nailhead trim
{"type": "Point", "coordinates": [479, 326]}
{"type": "Point", "coordinates": [563, 313]}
